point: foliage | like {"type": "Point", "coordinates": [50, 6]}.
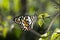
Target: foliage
{"type": "Point", "coordinates": [55, 34]}
{"type": "Point", "coordinates": [45, 10]}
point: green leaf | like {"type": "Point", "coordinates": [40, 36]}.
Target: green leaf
{"type": "Point", "coordinates": [9, 17]}
{"type": "Point", "coordinates": [5, 4]}
{"type": "Point", "coordinates": [55, 34]}
{"type": "Point", "coordinates": [5, 30]}
{"type": "Point", "coordinates": [31, 10]}
{"type": "Point", "coordinates": [43, 15]}
{"type": "Point", "coordinates": [40, 22]}
{"type": "Point", "coordinates": [1, 28]}
{"type": "Point", "coordinates": [17, 5]}
{"type": "Point", "coordinates": [17, 31]}
{"type": "Point", "coordinates": [41, 39]}
{"type": "Point", "coordinates": [46, 15]}
{"type": "Point", "coordinates": [5, 23]}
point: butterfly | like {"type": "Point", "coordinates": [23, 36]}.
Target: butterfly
{"type": "Point", "coordinates": [26, 22]}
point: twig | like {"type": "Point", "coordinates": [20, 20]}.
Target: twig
{"type": "Point", "coordinates": [52, 22]}
{"type": "Point", "coordinates": [36, 33]}
{"type": "Point", "coordinates": [23, 7]}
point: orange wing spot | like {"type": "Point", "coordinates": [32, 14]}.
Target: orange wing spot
{"type": "Point", "coordinates": [25, 22]}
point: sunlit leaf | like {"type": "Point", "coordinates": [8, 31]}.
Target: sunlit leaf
{"type": "Point", "coordinates": [1, 1]}
{"type": "Point", "coordinates": [9, 17]}
{"type": "Point", "coordinates": [40, 22]}
{"type": "Point", "coordinates": [17, 5]}
{"type": "Point", "coordinates": [5, 4]}
{"type": "Point", "coordinates": [57, 30]}
{"type": "Point", "coordinates": [55, 35]}
{"type": "Point", "coordinates": [5, 23]}
{"type": "Point", "coordinates": [46, 15]}
{"type": "Point", "coordinates": [1, 28]}
{"type": "Point", "coordinates": [31, 10]}
{"type": "Point", "coordinates": [43, 15]}
{"type": "Point", "coordinates": [41, 39]}
{"type": "Point", "coordinates": [5, 30]}
{"type": "Point", "coordinates": [40, 16]}
{"type": "Point", "coordinates": [45, 35]}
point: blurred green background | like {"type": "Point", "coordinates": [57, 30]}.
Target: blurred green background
{"type": "Point", "coordinates": [12, 8]}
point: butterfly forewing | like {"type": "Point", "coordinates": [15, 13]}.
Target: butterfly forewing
{"type": "Point", "coordinates": [26, 22]}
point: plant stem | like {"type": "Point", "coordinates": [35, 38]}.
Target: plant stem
{"type": "Point", "coordinates": [51, 23]}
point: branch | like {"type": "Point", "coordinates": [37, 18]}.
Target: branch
{"type": "Point", "coordinates": [23, 7]}
{"type": "Point", "coordinates": [36, 33]}
{"type": "Point", "coordinates": [52, 22]}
